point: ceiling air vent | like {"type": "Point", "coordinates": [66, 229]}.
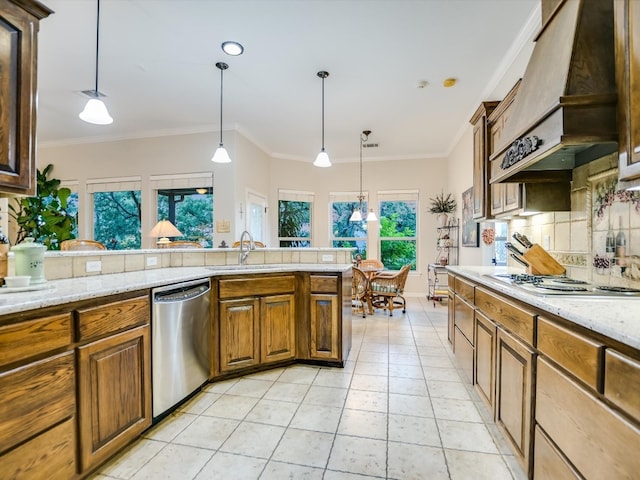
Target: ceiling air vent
{"type": "Point", "coordinates": [370, 145]}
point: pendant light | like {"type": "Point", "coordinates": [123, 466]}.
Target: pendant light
{"type": "Point", "coordinates": [322, 160]}
{"type": "Point", "coordinates": [356, 216]}
{"type": "Point", "coordinates": [221, 155]}
{"type": "Point", "coordinates": [95, 111]}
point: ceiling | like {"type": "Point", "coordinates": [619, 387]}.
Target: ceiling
{"type": "Point", "coordinates": [157, 59]}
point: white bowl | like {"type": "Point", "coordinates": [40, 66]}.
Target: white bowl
{"type": "Point", "coordinates": [17, 281]}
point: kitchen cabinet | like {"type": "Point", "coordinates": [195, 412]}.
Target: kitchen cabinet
{"type": "Point", "coordinates": [19, 24]}
{"type": "Point", "coordinates": [37, 387]}
{"type": "Point", "coordinates": [627, 59]}
{"type": "Point", "coordinates": [505, 197]}
{"type": "Point", "coordinates": [481, 192]}
{"type": "Point", "coordinates": [567, 399]}
{"type": "Point", "coordinates": [114, 377]}
{"type": "Point", "coordinates": [325, 329]}
{"type": "Point", "coordinates": [256, 322]}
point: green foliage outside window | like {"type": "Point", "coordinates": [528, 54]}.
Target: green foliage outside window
{"type": "Point", "coordinates": [348, 234]}
{"type": "Point", "coordinates": [398, 234]}
{"type": "Point", "coordinates": [193, 217]}
{"type": "Point", "coordinates": [117, 219]}
{"type": "Point", "coordinates": [294, 223]}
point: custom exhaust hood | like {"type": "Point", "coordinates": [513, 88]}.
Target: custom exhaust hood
{"type": "Point", "coordinates": [564, 114]}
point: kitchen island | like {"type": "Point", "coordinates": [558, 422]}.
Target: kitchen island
{"type": "Point", "coordinates": [75, 364]}
{"type": "Point", "coordinates": [560, 375]}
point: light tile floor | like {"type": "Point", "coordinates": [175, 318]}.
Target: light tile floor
{"type": "Point", "coordinates": [398, 410]}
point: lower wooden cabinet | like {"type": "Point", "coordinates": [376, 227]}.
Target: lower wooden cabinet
{"type": "Point", "coordinates": [325, 327]}
{"type": "Point", "coordinates": [451, 318]}
{"type": "Point", "coordinates": [514, 401]}
{"type": "Point", "coordinates": [485, 359]}
{"type": "Point", "coordinates": [548, 461]}
{"type": "Point", "coordinates": [256, 330]}
{"type": "Point", "coordinates": [114, 401]}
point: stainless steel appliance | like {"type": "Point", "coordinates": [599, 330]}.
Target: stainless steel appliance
{"type": "Point", "coordinates": [561, 285]}
{"type": "Point", "coordinates": [180, 332]}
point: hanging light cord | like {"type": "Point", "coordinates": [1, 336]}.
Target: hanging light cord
{"type": "Point", "coordinates": [323, 77]}
{"type": "Point", "coordinates": [221, 86]}
{"type": "Point", "coordinates": [361, 197]}
{"type": "Point", "coordinates": [97, 44]}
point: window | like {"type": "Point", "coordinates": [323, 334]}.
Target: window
{"type": "Point", "coordinates": [398, 229]}
{"type": "Point", "coordinates": [117, 212]}
{"type": "Point", "coordinates": [294, 218]}
{"type": "Point", "coordinates": [499, 249]}
{"type": "Point", "coordinates": [346, 234]}
{"type": "Point", "coordinates": [190, 210]}
{"type": "Point", "coordinates": [186, 200]}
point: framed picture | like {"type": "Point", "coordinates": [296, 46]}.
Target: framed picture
{"type": "Point", "coordinates": [470, 228]}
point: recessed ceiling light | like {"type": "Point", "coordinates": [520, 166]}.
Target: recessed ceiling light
{"type": "Point", "coordinates": [422, 84]}
{"type": "Point", "coordinates": [449, 82]}
{"type": "Point", "coordinates": [232, 48]}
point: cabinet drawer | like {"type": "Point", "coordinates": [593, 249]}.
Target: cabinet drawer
{"type": "Point", "coordinates": [250, 287]}
{"type": "Point", "coordinates": [113, 317]}
{"type": "Point", "coordinates": [595, 439]}
{"type": "Point", "coordinates": [464, 289]}
{"type": "Point", "coordinates": [451, 281]}
{"type": "Point", "coordinates": [463, 315]}
{"type": "Point", "coordinates": [513, 318]}
{"type": "Point", "coordinates": [578, 354]}
{"type": "Point", "coordinates": [50, 455]}
{"type": "Point", "coordinates": [324, 284]}
{"type": "Point", "coordinates": [622, 382]}
{"type": "Point", "coordinates": [549, 462]}
{"type": "Point", "coordinates": [35, 397]}
{"type": "Point", "coordinates": [26, 339]}
{"type": "Point", "coordinates": [464, 353]}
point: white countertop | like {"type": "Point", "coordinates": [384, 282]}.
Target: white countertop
{"type": "Point", "coordinates": [74, 289]}
{"type": "Point", "coordinates": [617, 318]}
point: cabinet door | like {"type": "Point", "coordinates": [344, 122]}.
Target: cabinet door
{"type": "Point", "coordinates": [485, 359]}
{"type": "Point", "coordinates": [114, 393]}
{"type": "Point", "coordinates": [512, 196]}
{"type": "Point", "coordinates": [18, 56]}
{"type": "Point", "coordinates": [451, 317]}
{"type": "Point", "coordinates": [497, 198]}
{"type": "Point", "coordinates": [479, 168]}
{"type": "Point", "coordinates": [239, 333]}
{"type": "Point", "coordinates": [627, 19]}
{"type": "Point", "coordinates": [325, 328]}
{"type": "Point", "coordinates": [277, 328]}
{"type": "Point", "coordinates": [514, 381]}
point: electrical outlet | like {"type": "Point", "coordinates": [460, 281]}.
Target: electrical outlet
{"type": "Point", "coordinates": [151, 261]}
{"type": "Point", "coordinates": [94, 266]}
{"type": "Point", "coordinates": [327, 258]}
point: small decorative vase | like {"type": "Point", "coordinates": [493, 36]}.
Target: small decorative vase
{"type": "Point", "coordinates": [443, 219]}
{"type": "Point", "coordinates": [29, 259]}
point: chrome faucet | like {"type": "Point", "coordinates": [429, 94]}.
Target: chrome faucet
{"type": "Point", "coordinates": [250, 246]}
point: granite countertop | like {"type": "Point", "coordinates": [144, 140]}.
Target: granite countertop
{"type": "Point", "coordinates": [57, 292]}
{"type": "Point", "coordinates": [616, 318]}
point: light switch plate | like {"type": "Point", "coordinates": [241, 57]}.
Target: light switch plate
{"type": "Point", "coordinates": [327, 258]}
{"type": "Point", "coordinates": [151, 261]}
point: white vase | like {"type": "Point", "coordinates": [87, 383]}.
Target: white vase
{"type": "Point", "coordinates": [443, 219]}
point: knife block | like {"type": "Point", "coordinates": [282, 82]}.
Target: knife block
{"type": "Point", "coordinates": [541, 263]}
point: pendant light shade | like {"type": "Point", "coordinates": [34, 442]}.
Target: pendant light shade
{"type": "Point", "coordinates": [221, 155]}
{"type": "Point", "coordinates": [322, 160]}
{"type": "Point", "coordinates": [96, 111]}
{"type": "Point", "coordinates": [356, 216]}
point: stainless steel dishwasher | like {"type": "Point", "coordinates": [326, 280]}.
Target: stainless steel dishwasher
{"type": "Point", "coordinates": [180, 332]}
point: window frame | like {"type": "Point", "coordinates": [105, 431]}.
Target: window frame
{"type": "Point", "coordinates": [297, 196]}
{"type": "Point", "coordinates": [401, 196]}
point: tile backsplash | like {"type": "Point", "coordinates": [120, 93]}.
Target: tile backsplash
{"type": "Point", "coordinates": [578, 239]}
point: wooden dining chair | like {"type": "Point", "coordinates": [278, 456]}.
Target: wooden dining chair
{"type": "Point", "coordinates": [257, 244]}
{"type": "Point", "coordinates": [385, 290]}
{"type": "Point", "coordinates": [81, 245]}
{"type": "Point", "coordinates": [371, 263]}
{"type": "Point", "coordinates": [183, 244]}
{"type": "Point", "coordinates": [360, 292]}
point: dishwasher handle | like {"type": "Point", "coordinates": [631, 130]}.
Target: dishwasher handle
{"type": "Point", "coordinates": [181, 294]}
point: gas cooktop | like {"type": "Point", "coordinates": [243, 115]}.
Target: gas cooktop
{"type": "Point", "coordinates": [561, 285]}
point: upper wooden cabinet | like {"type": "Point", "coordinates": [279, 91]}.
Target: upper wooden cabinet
{"type": "Point", "coordinates": [481, 192]}
{"type": "Point", "coordinates": [627, 33]}
{"type": "Point", "coordinates": [19, 22]}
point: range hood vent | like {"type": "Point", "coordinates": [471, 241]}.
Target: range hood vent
{"type": "Point", "coordinates": [564, 114]}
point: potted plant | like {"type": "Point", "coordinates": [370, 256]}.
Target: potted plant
{"type": "Point", "coordinates": [44, 216]}
{"type": "Point", "coordinates": [443, 206]}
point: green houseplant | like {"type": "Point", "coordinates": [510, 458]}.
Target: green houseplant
{"type": "Point", "coordinates": [443, 206]}
{"type": "Point", "coordinates": [45, 216]}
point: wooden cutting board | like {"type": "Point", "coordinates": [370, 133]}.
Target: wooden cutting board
{"type": "Point", "coordinates": [541, 263]}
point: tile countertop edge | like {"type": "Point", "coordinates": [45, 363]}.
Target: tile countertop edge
{"type": "Point", "coordinates": [83, 288]}
{"type": "Point", "coordinates": [615, 318]}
